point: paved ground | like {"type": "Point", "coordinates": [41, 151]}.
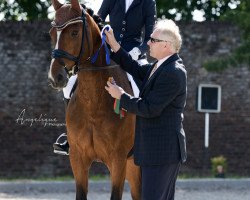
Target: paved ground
{"type": "Point", "coordinates": [190, 189]}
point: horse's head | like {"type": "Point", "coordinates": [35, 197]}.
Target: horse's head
{"type": "Point", "coordinates": [72, 33]}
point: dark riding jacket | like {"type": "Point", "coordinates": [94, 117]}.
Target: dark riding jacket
{"type": "Point", "coordinates": [128, 26]}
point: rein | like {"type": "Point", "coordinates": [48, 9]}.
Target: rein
{"type": "Point", "coordinates": [58, 53]}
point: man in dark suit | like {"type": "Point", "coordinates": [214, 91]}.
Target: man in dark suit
{"type": "Point", "coordinates": [160, 145]}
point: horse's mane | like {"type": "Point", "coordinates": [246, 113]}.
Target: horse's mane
{"type": "Point", "coordinates": [96, 18]}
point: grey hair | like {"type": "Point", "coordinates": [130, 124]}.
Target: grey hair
{"type": "Point", "coordinates": [169, 31]}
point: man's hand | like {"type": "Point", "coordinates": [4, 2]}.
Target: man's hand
{"type": "Point", "coordinates": [110, 39]}
{"type": "Point", "coordinates": [114, 90]}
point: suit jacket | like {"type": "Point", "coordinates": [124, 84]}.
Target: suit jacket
{"type": "Point", "coordinates": [128, 26]}
{"type": "Point", "coordinates": [159, 134]}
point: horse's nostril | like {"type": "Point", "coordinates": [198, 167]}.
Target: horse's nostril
{"type": "Point", "coordinates": [59, 78]}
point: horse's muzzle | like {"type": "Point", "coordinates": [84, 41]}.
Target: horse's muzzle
{"type": "Point", "coordinates": [60, 80]}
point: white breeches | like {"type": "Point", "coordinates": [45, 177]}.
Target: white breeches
{"type": "Point", "coordinates": [69, 86]}
{"type": "Point", "coordinates": [130, 78]}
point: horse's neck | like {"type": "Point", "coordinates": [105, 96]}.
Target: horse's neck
{"type": "Point", "coordinates": [91, 85]}
{"type": "Point", "coordinates": [91, 82]}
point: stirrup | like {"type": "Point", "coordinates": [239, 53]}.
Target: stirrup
{"type": "Point", "coordinates": [62, 135]}
{"type": "Point", "coordinates": [61, 152]}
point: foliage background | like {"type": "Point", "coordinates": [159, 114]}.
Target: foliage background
{"type": "Point", "coordinates": [235, 11]}
{"type": "Point", "coordinates": [174, 9]}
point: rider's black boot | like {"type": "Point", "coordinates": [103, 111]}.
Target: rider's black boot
{"type": "Point", "coordinates": [62, 148]}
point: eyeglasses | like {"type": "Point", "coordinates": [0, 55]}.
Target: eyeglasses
{"type": "Point", "coordinates": [153, 40]}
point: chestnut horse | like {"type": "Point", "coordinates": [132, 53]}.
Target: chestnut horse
{"type": "Point", "coordinates": [95, 132]}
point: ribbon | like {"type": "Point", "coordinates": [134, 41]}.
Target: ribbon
{"type": "Point", "coordinates": [117, 109]}
{"type": "Point", "coordinates": [103, 35]}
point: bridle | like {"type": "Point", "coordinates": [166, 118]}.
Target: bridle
{"type": "Point", "coordinates": [59, 53]}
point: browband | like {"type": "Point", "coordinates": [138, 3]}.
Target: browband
{"type": "Point", "coordinates": [72, 21]}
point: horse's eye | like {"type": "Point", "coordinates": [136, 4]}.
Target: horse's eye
{"type": "Point", "coordinates": [74, 33]}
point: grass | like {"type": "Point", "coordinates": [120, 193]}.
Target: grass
{"type": "Point", "coordinates": [99, 177]}
{"type": "Point", "coordinates": [196, 176]}
{"type": "Point", "coordinates": [58, 178]}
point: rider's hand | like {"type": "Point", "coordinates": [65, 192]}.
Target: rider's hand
{"type": "Point", "coordinates": [110, 39]}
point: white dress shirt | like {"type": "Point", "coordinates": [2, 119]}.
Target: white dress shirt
{"type": "Point", "coordinates": [128, 4]}
{"type": "Point", "coordinates": [162, 61]}
{"type": "Point", "coordinates": [158, 64]}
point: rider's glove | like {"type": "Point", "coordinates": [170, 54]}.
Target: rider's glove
{"type": "Point", "coordinates": [135, 53]}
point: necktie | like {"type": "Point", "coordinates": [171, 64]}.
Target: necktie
{"type": "Point", "coordinates": [153, 70]}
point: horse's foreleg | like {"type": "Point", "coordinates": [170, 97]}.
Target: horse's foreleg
{"type": "Point", "coordinates": [80, 168]}
{"type": "Point", "coordinates": [118, 173]}
{"type": "Point", "coordinates": [133, 175]}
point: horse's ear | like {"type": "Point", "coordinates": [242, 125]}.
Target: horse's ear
{"type": "Point", "coordinates": [75, 5]}
{"type": "Point", "coordinates": [56, 4]}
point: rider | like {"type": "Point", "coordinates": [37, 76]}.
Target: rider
{"type": "Point", "coordinates": [128, 19]}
